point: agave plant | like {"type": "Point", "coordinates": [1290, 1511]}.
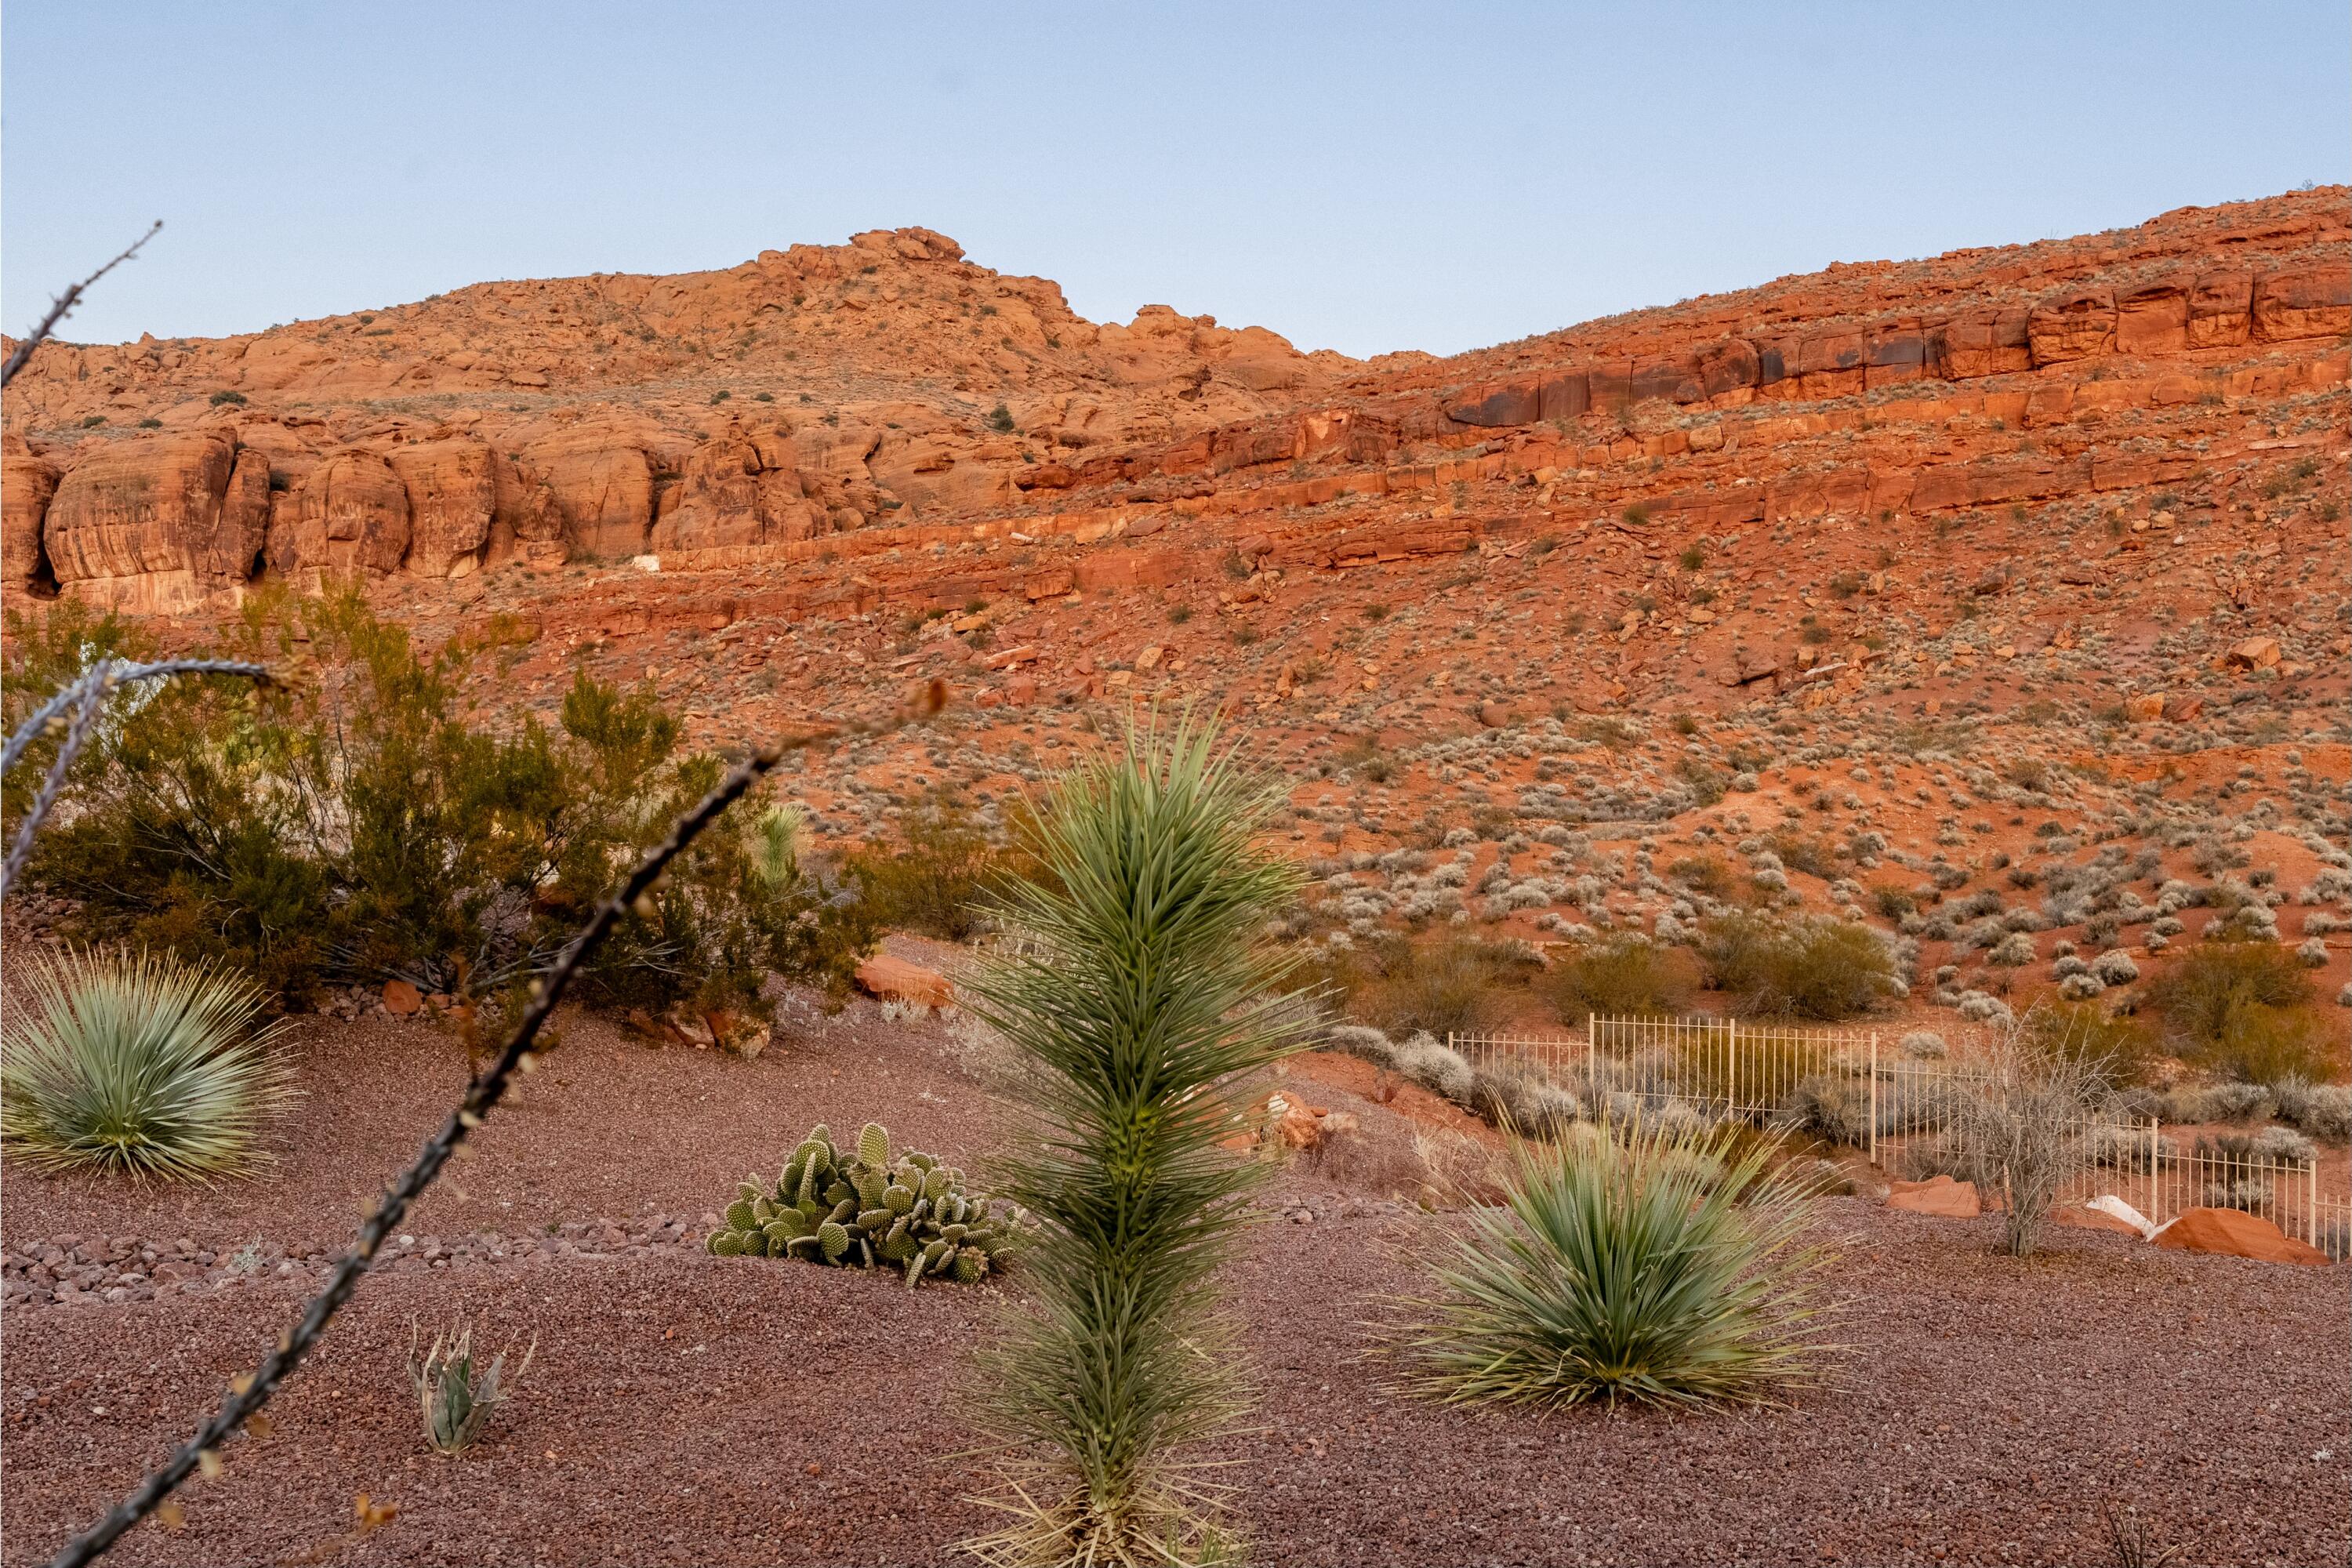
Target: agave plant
{"type": "Point", "coordinates": [1654, 1263]}
{"type": "Point", "coordinates": [139, 1065]}
{"type": "Point", "coordinates": [1140, 990]}
{"type": "Point", "coordinates": [455, 1394]}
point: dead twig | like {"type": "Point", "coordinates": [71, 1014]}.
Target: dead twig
{"type": "Point", "coordinates": [62, 306]}
{"type": "Point", "coordinates": [250, 1393]}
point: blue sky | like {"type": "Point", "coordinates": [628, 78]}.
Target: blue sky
{"type": "Point", "coordinates": [1361, 177]}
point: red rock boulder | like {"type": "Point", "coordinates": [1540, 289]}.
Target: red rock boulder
{"type": "Point", "coordinates": [897, 980]}
{"type": "Point", "coordinates": [1938, 1195]}
{"type": "Point", "coordinates": [351, 520]}
{"type": "Point", "coordinates": [26, 483]}
{"type": "Point", "coordinates": [2234, 1232]}
{"type": "Point", "coordinates": [134, 525]}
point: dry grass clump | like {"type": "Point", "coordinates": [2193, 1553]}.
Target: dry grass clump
{"type": "Point", "coordinates": [2027, 1124]}
{"type": "Point", "coordinates": [1670, 1267]}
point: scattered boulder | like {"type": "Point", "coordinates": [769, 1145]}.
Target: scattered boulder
{"type": "Point", "coordinates": [894, 979]}
{"type": "Point", "coordinates": [401, 998]}
{"type": "Point", "coordinates": [2234, 1232]}
{"type": "Point", "coordinates": [1939, 1195]}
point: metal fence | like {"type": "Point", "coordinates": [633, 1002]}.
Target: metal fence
{"type": "Point", "coordinates": [1894, 1107]}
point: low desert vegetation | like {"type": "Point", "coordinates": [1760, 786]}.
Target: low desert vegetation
{"type": "Point", "coordinates": [139, 1065]}
{"type": "Point", "coordinates": [1653, 1264]}
{"type": "Point", "coordinates": [866, 1207]}
{"type": "Point", "coordinates": [2243, 1007]}
{"type": "Point", "coordinates": [455, 1394]}
{"type": "Point", "coordinates": [357, 822]}
{"type": "Point", "coordinates": [1813, 967]}
{"type": "Point", "coordinates": [940, 876]}
{"type": "Point", "coordinates": [1619, 975]}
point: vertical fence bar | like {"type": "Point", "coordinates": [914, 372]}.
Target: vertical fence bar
{"type": "Point", "coordinates": [2155, 1153]}
{"type": "Point", "coordinates": [1592, 1057]}
{"type": "Point", "coordinates": [1874, 1097]}
{"type": "Point", "coordinates": [2311, 1203]}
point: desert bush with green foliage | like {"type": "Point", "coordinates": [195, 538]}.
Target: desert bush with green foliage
{"type": "Point", "coordinates": [940, 876]}
{"type": "Point", "coordinates": [360, 820]}
{"type": "Point", "coordinates": [1452, 985]}
{"type": "Point", "coordinates": [1618, 976]}
{"type": "Point", "coordinates": [868, 1208]}
{"type": "Point", "coordinates": [2121, 1047]}
{"type": "Point", "coordinates": [2242, 1006]}
{"type": "Point", "coordinates": [1143, 989]}
{"type": "Point", "coordinates": [1665, 1265]}
{"type": "Point", "coordinates": [138, 1066]}
{"type": "Point", "coordinates": [1815, 967]}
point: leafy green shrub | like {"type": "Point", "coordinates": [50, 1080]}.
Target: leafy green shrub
{"type": "Point", "coordinates": [1671, 1271]}
{"type": "Point", "coordinates": [2243, 1007]}
{"type": "Point", "coordinates": [359, 821]}
{"type": "Point", "coordinates": [2121, 1049]}
{"type": "Point", "coordinates": [1438, 988]}
{"type": "Point", "coordinates": [939, 878]}
{"type": "Point", "coordinates": [138, 1066]}
{"type": "Point", "coordinates": [1146, 991]}
{"type": "Point", "coordinates": [1619, 975]}
{"type": "Point", "coordinates": [1811, 967]}
{"type": "Point", "coordinates": [866, 1207]}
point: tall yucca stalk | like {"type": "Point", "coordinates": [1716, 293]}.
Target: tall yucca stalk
{"type": "Point", "coordinates": [139, 1065]}
{"type": "Point", "coordinates": [1142, 991]}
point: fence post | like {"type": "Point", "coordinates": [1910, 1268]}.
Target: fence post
{"type": "Point", "coordinates": [2154, 1150]}
{"type": "Point", "coordinates": [1874, 1097]}
{"type": "Point", "coordinates": [2311, 1202]}
{"type": "Point", "coordinates": [1592, 1057]}
{"type": "Point", "coordinates": [1731, 1069]}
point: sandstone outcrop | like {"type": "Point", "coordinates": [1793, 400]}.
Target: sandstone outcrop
{"type": "Point", "coordinates": [351, 519]}
{"type": "Point", "coordinates": [452, 496]}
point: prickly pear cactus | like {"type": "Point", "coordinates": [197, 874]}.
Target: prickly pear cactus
{"type": "Point", "coordinates": [869, 1206]}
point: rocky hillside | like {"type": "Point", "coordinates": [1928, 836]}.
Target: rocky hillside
{"type": "Point", "coordinates": [1935, 565]}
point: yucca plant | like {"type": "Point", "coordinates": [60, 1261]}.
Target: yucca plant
{"type": "Point", "coordinates": [1654, 1263]}
{"type": "Point", "coordinates": [139, 1065]}
{"type": "Point", "coordinates": [1143, 990]}
{"type": "Point", "coordinates": [455, 1394]}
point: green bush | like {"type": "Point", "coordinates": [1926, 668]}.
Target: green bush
{"type": "Point", "coordinates": [1813, 967]}
{"type": "Point", "coordinates": [1619, 975]}
{"type": "Point", "coordinates": [941, 876]}
{"type": "Point", "coordinates": [1444, 987]}
{"type": "Point", "coordinates": [138, 1066]}
{"type": "Point", "coordinates": [2243, 1007]}
{"type": "Point", "coordinates": [1672, 1270]}
{"type": "Point", "coordinates": [359, 821]}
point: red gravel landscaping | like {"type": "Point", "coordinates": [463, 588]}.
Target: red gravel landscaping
{"type": "Point", "coordinates": [684, 1409]}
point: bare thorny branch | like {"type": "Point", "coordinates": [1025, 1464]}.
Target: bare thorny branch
{"type": "Point", "coordinates": [62, 306]}
{"type": "Point", "coordinates": [250, 1393]}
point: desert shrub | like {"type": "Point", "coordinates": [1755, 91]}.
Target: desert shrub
{"type": "Point", "coordinates": [2243, 1007]}
{"type": "Point", "coordinates": [941, 876]}
{"type": "Point", "coordinates": [138, 1066]}
{"type": "Point", "coordinates": [2023, 1126]}
{"type": "Point", "coordinates": [2323, 1110]}
{"type": "Point", "coordinates": [866, 1207]}
{"type": "Point", "coordinates": [1143, 989]}
{"type": "Point", "coordinates": [358, 821]}
{"type": "Point", "coordinates": [2120, 1049]}
{"type": "Point", "coordinates": [1828, 1106]}
{"type": "Point", "coordinates": [455, 1393]}
{"type": "Point", "coordinates": [1704, 874]}
{"type": "Point", "coordinates": [1924, 1045]}
{"type": "Point", "coordinates": [1619, 975]}
{"type": "Point", "coordinates": [1440, 988]}
{"type": "Point", "coordinates": [1667, 1270]}
{"type": "Point", "coordinates": [1811, 967]}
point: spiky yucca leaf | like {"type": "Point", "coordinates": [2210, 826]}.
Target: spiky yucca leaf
{"type": "Point", "coordinates": [1142, 989]}
{"type": "Point", "coordinates": [1670, 1268]}
{"type": "Point", "coordinates": [142, 1066]}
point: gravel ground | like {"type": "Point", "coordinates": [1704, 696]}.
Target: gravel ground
{"type": "Point", "coordinates": [690, 1409]}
